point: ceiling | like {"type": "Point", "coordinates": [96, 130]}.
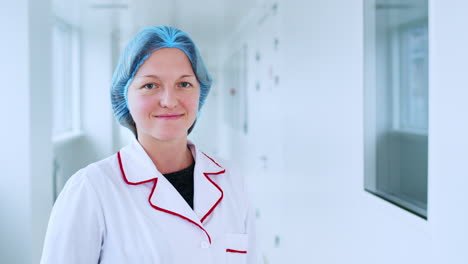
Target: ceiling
{"type": "Point", "coordinates": [208, 22]}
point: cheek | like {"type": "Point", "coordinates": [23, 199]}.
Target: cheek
{"type": "Point", "coordinates": [140, 106]}
{"type": "Point", "coordinates": [192, 103]}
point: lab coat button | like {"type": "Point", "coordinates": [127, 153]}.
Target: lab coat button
{"type": "Point", "coordinates": [205, 244]}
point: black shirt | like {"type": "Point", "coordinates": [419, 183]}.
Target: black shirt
{"type": "Point", "coordinates": [183, 182]}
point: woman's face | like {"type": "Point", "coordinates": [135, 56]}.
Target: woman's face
{"type": "Point", "coordinates": [163, 96]}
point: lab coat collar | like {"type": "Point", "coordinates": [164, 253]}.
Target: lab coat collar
{"type": "Point", "coordinates": [137, 168]}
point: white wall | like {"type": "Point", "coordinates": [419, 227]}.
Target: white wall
{"type": "Point", "coordinates": [26, 157]}
{"type": "Point", "coordinates": [325, 214]}
{"type": "Point", "coordinates": [324, 147]}
{"type": "Point", "coordinates": [448, 142]}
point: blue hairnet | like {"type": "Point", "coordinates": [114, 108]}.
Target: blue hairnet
{"type": "Point", "coordinates": [134, 55]}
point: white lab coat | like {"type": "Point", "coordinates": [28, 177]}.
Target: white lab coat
{"type": "Point", "coordinates": [122, 210]}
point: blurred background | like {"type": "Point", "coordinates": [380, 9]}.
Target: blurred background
{"type": "Point", "coordinates": [346, 117]}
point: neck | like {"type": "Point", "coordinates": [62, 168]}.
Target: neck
{"type": "Point", "coordinates": [168, 156]}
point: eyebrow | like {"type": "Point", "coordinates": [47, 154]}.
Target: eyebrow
{"type": "Point", "coordinates": [157, 77]}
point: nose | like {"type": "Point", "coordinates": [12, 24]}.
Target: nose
{"type": "Point", "coordinates": [168, 98]}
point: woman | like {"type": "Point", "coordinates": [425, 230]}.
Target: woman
{"type": "Point", "coordinates": [159, 199]}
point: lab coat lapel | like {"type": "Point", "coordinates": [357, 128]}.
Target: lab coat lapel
{"type": "Point", "coordinates": [137, 168]}
{"type": "Point", "coordinates": [207, 193]}
{"type": "Point", "coordinates": [135, 165]}
{"type": "Point", "coordinates": [166, 198]}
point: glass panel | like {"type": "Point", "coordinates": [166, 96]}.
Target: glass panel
{"type": "Point", "coordinates": [65, 69]}
{"type": "Point", "coordinates": [396, 101]}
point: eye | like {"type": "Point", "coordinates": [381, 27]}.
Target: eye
{"type": "Point", "coordinates": [185, 84]}
{"type": "Point", "coordinates": [149, 86]}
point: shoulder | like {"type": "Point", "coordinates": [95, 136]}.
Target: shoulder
{"type": "Point", "coordinates": [104, 167]}
{"type": "Point", "coordinates": [233, 184]}
{"type": "Point", "coordinates": [93, 176]}
{"type": "Point", "coordinates": [234, 173]}
{"type": "Point", "coordinates": [231, 173]}
{"type": "Point", "coordinates": [216, 161]}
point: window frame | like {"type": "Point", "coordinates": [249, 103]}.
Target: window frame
{"type": "Point", "coordinates": [73, 78]}
{"type": "Point", "coordinates": [370, 106]}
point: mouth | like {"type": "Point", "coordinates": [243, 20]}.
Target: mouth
{"type": "Point", "coordinates": [169, 116]}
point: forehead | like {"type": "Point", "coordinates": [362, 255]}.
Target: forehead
{"type": "Point", "coordinates": [166, 61]}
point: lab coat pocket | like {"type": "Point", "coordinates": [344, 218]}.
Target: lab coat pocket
{"type": "Point", "coordinates": [236, 248]}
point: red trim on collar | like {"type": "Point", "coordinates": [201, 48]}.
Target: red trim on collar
{"type": "Point", "coordinates": [151, 194]}
{"type": "Point", "coordinates": [212, 182]}
{"type": "Point", "coordinates": [219, 188]}
{"type": "Point", "coordinates": [173, 213]}
{"type": "Point", "coordinates": [236, 251]}
{"type": "Point", "coordinates": [212, 160]}
{"type": "Point", "coordinates": [125, 176]}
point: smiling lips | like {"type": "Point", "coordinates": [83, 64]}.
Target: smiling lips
{"type": "Point", "coordinates": [169, 116]}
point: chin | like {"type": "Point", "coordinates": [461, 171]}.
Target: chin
{"type": "Point", "coordinates": [165, 133]}
{"type": "Point", "coordinates": [167, 136]}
